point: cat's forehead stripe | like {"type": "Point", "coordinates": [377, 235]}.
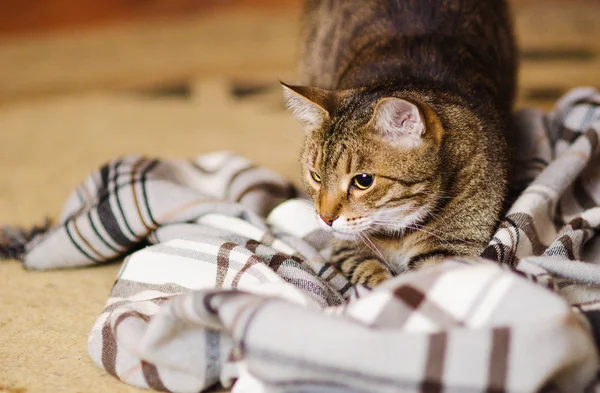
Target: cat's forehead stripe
{"type": "Point", "coordinates": [348, 163]}
{"type": "Point", "coordinates": [333, 152]}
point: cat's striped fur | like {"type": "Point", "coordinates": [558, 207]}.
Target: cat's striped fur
{"type": "Point", "coordinates": [413, 97]}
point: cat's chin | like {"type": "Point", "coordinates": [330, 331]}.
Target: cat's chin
{"type": "Point", "coordinates": [344, 235]}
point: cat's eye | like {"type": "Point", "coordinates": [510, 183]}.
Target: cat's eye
{"type": "Point", "coordinates": [363, 181]}
{"type": "Point", "coordinates": [316, 177]}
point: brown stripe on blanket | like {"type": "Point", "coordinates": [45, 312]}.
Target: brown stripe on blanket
{"type": "Point", "coordinates": [251, 245]}
{"type": "Point", "coordinates": [223, 263]}
{"type": "Point", "coordinates": [134, 171]}
{"type": "Point", "coordinates": [277, 260]}
{"type": "Point", "coordinates": [332, 274]}
{"type": "Point", "coordinates": [559, 218]}
{"type": "Point", "coordinates": [251, 262]}
{"type": "Point", "coordinates": [109, 349]}
{"type": "Point", "coordinates": [234, 176]}
{"type": "Point", "coordinates": [500, 252]}
{"type": "Point", "coordinates": [499, 360]}
{"type": "Point", "coordinates": [579, 223]}
{"type": "Point", "coordinates": [525, 223]}
{"type": "Point", "coordinates": [411, 296]}
{"type": "Point", "coordinates": [131, 314]}
{"type": "Point", "coordinates": [109, 342]}
{"type": "Point", "coordinates": [567, 134]}
{"type": "Point", "coordinates": [127, 288]}
{"type": "Point", "coordinates": [584, 199]}
{"type": "Point", "coordinates": [416, 299]}
{"type": "Point", "coordinates": [159, 301]}
{"type": "Point", "coordinates": [592, 136]}
{"type": "Point", "coordinates": [99, 257]}
{"type": "Point", "coordinates": [434, 366]}
{"type": "Point", "coordinates": [204, 170]}
{"type": "Point", "coordinates": [152, 378]}
{"type": "Point", "coordinates": [267, 239]}
{"type": "Point", "coordinates": [561, 247]}
{"type": "Point", "coordinates": [275, 190]}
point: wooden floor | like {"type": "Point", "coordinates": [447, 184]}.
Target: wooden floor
{"type": "Point", "coordinates": [116, 44]}
{"type": "Point", "coordinates": [18, 17]}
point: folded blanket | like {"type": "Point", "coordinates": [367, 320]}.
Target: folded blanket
{"type": "Point", "coordinates": [236, 287]}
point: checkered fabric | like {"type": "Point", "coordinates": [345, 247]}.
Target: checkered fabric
{"type": "Point", "coordinates": [235, 286]}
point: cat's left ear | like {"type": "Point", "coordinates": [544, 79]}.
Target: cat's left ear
{"type": "Point", "coordinates": [311, 105]}
{"type": "Point", "coordinates": [399, 121]}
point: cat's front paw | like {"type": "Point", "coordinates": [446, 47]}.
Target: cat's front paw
{"type": "Point", "coordinates": [370, 273]}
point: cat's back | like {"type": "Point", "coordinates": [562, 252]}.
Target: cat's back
{"type": "Point", "coordinates": [351, 43]}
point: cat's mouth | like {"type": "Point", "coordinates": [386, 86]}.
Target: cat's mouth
{"type": "Point", "coordinates": [391, 222]}
{"type": "Point", "coordinates": [345, 229]}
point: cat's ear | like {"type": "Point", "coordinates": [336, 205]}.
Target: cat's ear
{"type": "Point", "coordinates": [399, 121]}
{"type": "Point", "coordinates": [311, 105]}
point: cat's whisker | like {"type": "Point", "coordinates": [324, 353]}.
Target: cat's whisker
{"type": "Point", "coordinates": [439, 234]}
{"type": "Point", "coordinates": [372, 247]}
{"type": "Point", "coordinates": [432, 234]}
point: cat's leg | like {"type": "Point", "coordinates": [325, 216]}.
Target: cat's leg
{"type": "Point", "coordinates": [426, 262]}
{"type": "Point", "coordinates": [358, 264]}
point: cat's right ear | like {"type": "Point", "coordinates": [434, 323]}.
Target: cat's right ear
{"type": "Point", "coordinates": [311, 105]}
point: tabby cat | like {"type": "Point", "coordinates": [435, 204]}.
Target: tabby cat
{"type": "Point", "coordinates": [406, 106]}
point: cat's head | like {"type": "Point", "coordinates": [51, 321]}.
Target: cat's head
{"type": "Point", "coordinates": [370, 162]}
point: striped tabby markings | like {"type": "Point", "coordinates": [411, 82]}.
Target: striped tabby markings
{"type": "Point", "coordinates": [365, 270]}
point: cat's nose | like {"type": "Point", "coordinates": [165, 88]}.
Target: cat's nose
{"type": "Point", "coordinates": [328, 219]}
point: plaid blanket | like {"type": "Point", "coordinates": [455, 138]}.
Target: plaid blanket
{"type": "Point", "coordinates": [226, 279]}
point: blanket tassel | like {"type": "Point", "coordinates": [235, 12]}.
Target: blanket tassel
{"type": "Point", "coordinates": [14, 240]}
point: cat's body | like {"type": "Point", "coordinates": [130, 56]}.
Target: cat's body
{"type": "Point", "coordinates": [406, 119]}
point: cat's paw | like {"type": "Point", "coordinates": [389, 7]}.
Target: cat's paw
{"type": "Point", "coordinates": [370, 273]}
{"type": "Point", "coordinates": [426, 262]}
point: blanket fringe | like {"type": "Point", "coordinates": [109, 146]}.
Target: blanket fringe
{"type": "Point", "coordinates": [14, 240]}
